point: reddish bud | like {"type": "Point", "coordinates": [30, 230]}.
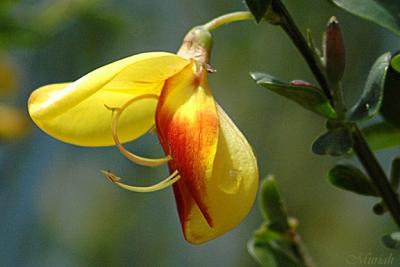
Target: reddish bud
{"type": "Point", "coordinates": [334, 51]}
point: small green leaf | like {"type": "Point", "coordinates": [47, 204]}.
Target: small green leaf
{"type": "Point", "coordinates": [372, 96]}
{"type": "Point", "coordinates": [335, 142]}
{"type": "Point", "coordinates": [380, 208]}
{"type": "Point", "coordinates": [258, 8]}
{"type": "Point", "coordinates": [395, 62]}
{"type": "Point", "coordinates": [392, 240]}
{"type": "Point", "coordinates": [390, 108]}
{"type": "Point", "coordinates": [272, 208]}
{"type": "Point", "coordinates": [382, 135]}
{"type": "Point", "coordinates": [350, 178]}
{"type": "Point", "coordinates": [395, 174]}
{"type": "Point", "coordinates": [308, 96]}
{"type": "Point", "coordinates": [383, 12]}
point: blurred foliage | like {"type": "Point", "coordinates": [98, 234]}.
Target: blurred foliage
{"type": "Point", "coordinates": [8, 75]}
{"type": "Point", "coordinates": [276, 243]}
{"type": "Point", "coordinates": [14, 124]}
{"type": "Point", "coordinates": [382, 135]}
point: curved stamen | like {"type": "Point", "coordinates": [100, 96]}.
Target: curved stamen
{"type": "Point", "coordinates": [174, 177]}
{"type": "Point", "coordinates": [129, 155]}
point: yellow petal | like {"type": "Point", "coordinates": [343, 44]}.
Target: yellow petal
{"type": "Point", "coordinates": [89, 123]}
{"type": "Point", "coordinates": [231, 189]}
{"type": "Point", "coordinates": [76, 112]}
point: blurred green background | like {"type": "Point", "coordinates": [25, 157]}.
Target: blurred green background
{"type": "Point", "coordinates": [58, 210]}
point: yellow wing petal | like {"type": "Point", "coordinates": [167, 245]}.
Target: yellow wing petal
{"type": "Point", "coordinates": [89, 123]}
{"type": "Point", "coordinates": [231, 190]}
{"type": "Point", "coordinates": [76, 112]}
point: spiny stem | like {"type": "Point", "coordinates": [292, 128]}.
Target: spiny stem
{"type": "Point", "coordinates": [228, 18]}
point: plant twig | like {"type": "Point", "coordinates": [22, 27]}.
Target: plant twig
{"type": "Point", "coordinates": [360, 146]}
{"type": "Point", "coordinates": [290, 27]}
{"type": "Point", "coordinates": [375, 171]}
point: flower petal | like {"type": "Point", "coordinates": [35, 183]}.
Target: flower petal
{"type": "Point", "coordinates": [76, 112]}
{"type": "Point", "coordinates": [217, 165]}
{"type": "Point", "coordinates": [187, 123]}
{"type": "Point", "coordinates": [231, 189]}
{"type": "Point", "coordinates": [89, 123]}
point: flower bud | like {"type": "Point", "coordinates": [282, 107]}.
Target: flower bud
{"type": "Point", "coordinates": [334, 51]}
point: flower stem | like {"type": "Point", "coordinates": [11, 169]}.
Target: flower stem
{"type": "Point", "coordinates": [228, 18]}
{"type": "Point", "coordinates": [360, 146]}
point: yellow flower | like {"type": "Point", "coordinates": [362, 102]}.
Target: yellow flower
{"type": "Point", "coordinates": [212, 167]}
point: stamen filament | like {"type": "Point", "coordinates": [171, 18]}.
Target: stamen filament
{"type": "Point", "coordinates": [228, 18]}
{"type": "Point", "coordinates": [173, 178]}
{"type": "Point", "coordinates": [129, 155]}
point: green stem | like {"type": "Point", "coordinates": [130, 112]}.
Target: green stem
{"type": "Point", "coordinates": [299, 250]}
{"type": "Point", "coordinates": [228, 18]}
{"type": "Point", "coordinates": [360, 146]}
{"type": "Point", "coordinates": [290, 27]}
{"type": "Point", "coordinates": [376, 173]}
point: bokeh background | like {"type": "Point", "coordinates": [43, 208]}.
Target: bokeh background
{"type": "Point", "coordinates": [56, 209]}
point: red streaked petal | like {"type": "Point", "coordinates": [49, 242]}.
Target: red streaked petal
{"type": "Point", "coordinates": [231, 188]}
{"type": "Point", "coordinates": [187, 123]}
{"type": "Point", "coordinates": [217, 165]}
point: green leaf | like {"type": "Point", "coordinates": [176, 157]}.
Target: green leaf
{"type": "Point", "coordinates": [372, 96]}
{"type": "Point", "coordinates": [390, 108]}
{"type": "Point", "coordinates": [382, 135]}
{"type": "Point", "coordinates": [395, 62]}
{"type": "Point", "coordinates": [382, 12]}
{"type": "Point", "coordinates": [258, 8]}
{"type": "Point", "coordinates": [308, 96]}
{"type": "Point", "coordinates": [272, 208]}
{"type": "Point", "coordinates": [350, 178]}
{"type": "Point", "coordinates": [392, 240]}
{"type": "Point", "coordinates": [335, 142]}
